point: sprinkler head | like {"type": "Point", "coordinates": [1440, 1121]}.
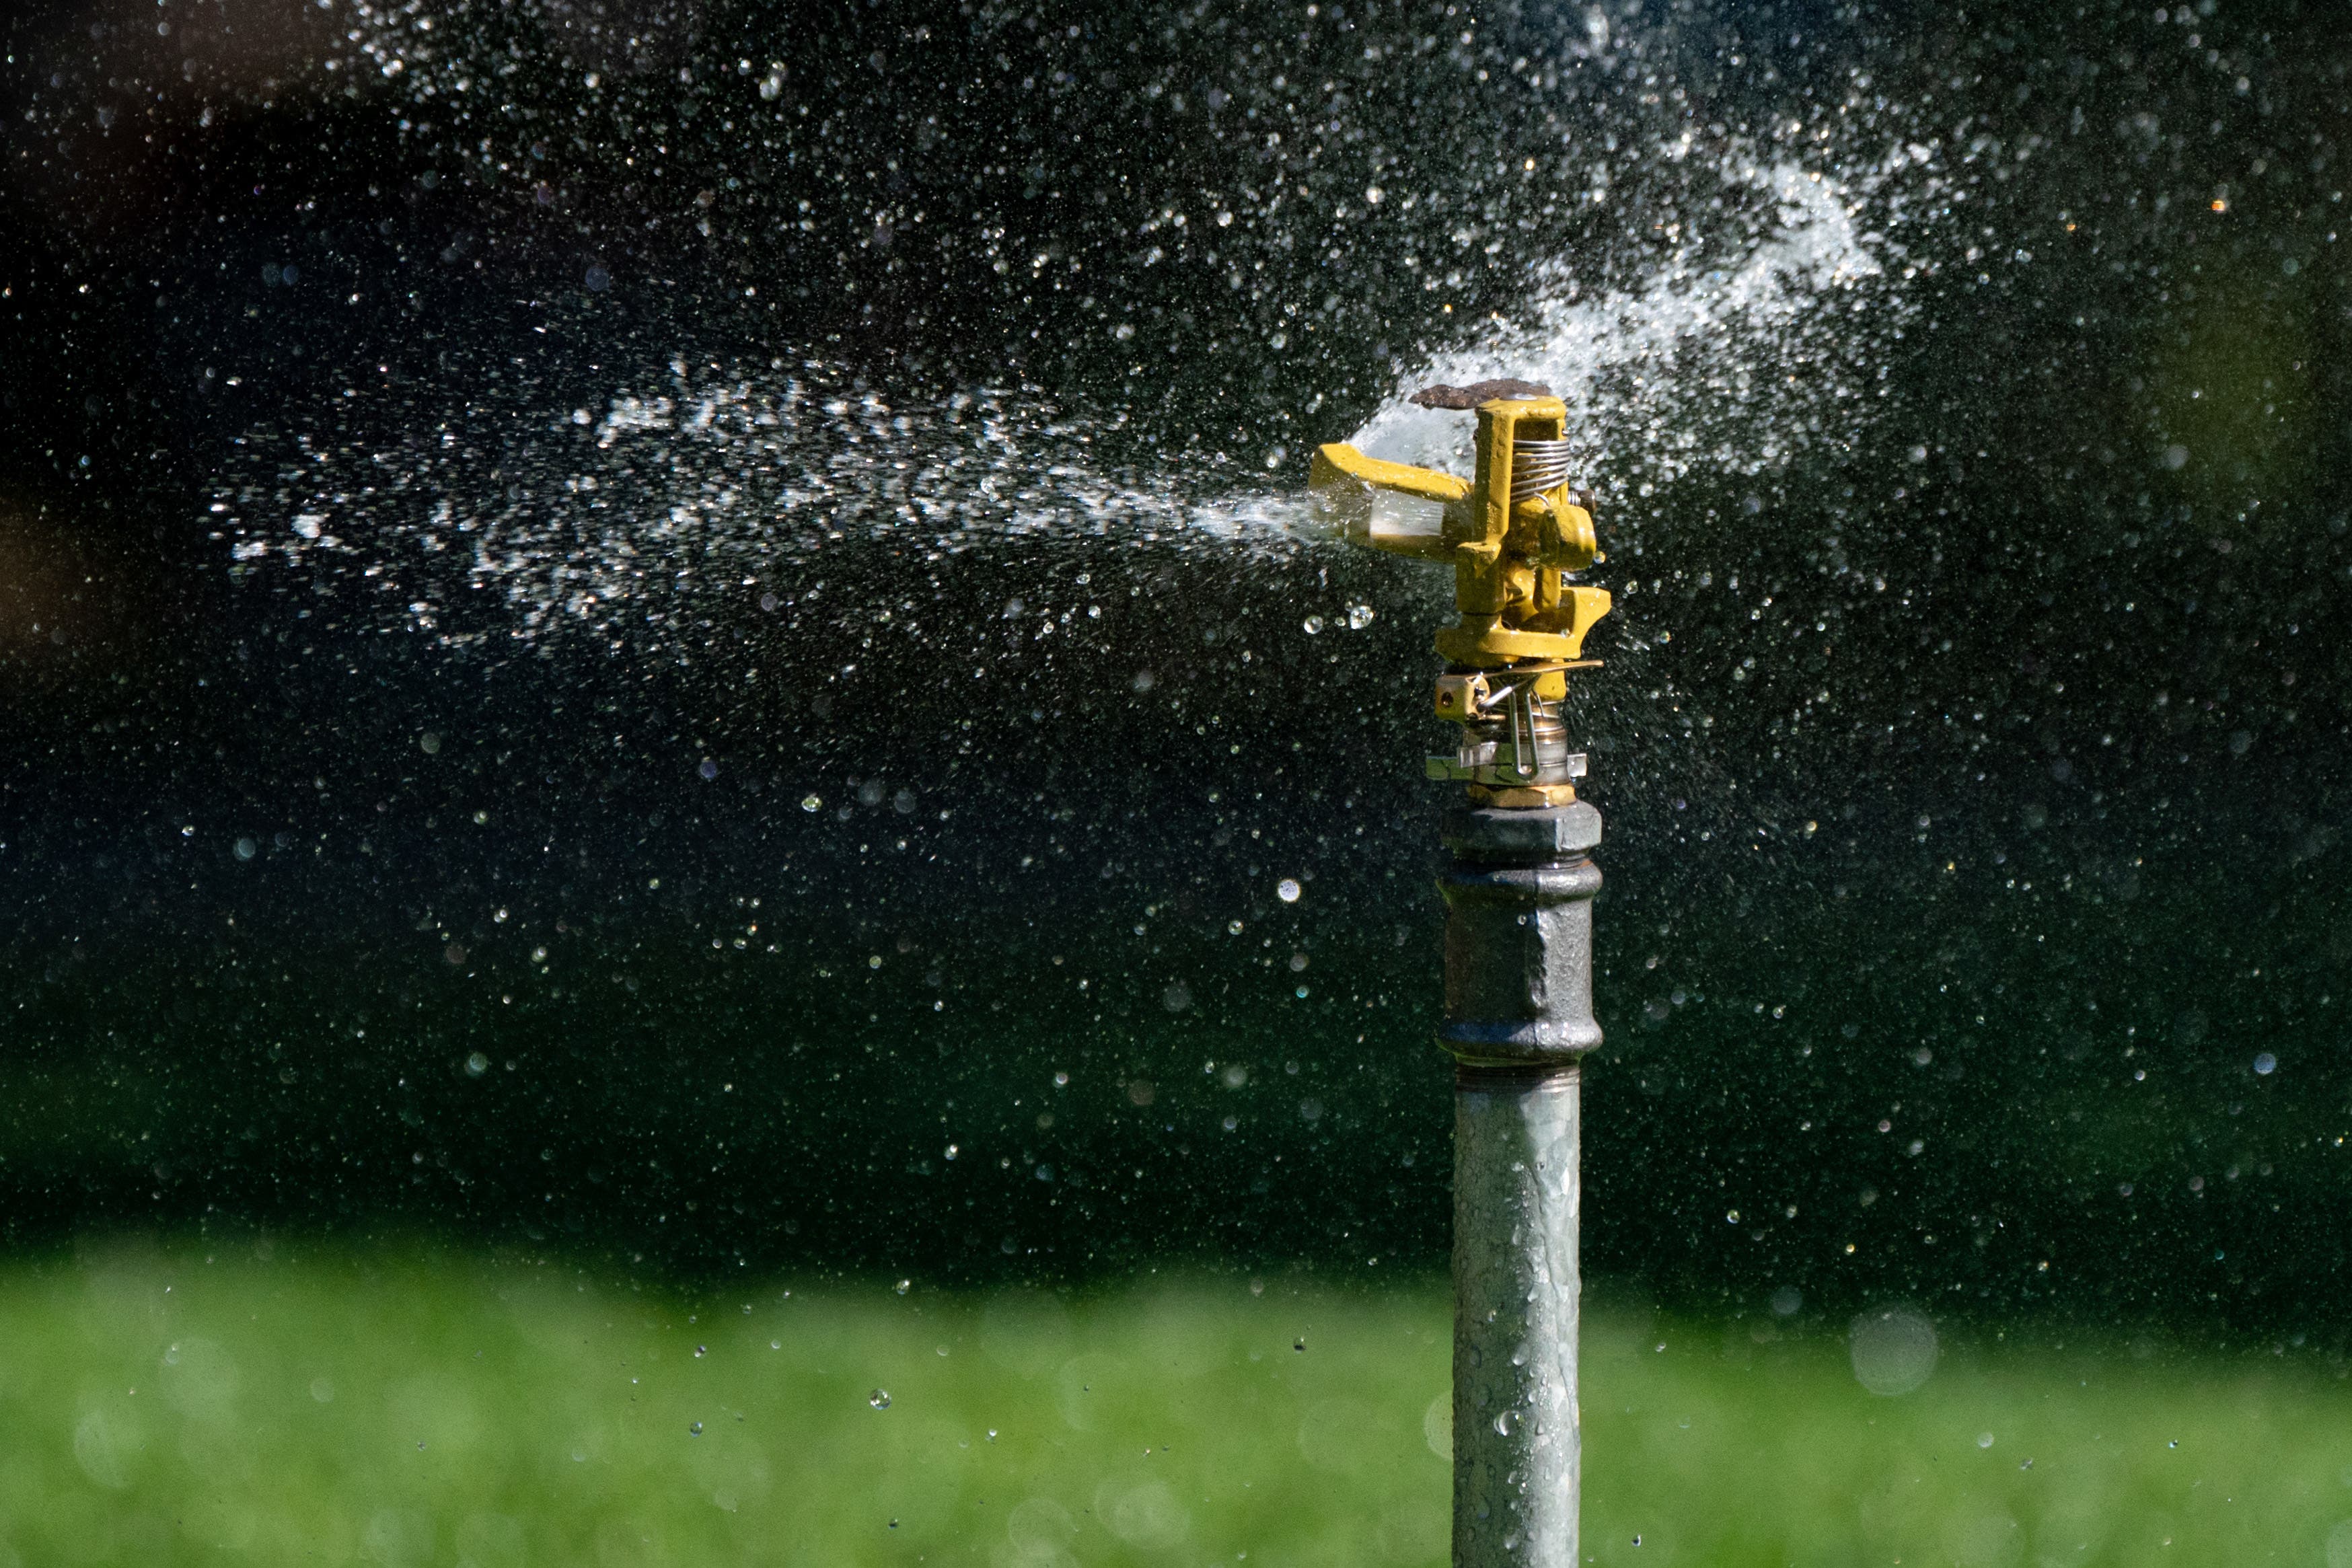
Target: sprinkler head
{"type": "Point", "coordinates": [1515, 534]}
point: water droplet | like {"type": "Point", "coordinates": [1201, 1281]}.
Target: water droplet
{"type": "Point", "coordinates": [1984, 1440]}
{"type": "Point", "coordinates": [2265, 1063]}
{"type": "Point", "coordinates": [694, 1429]}
{"type": "Point", "coordinates": [1314, 623]}
{"type": "Point", "coordinates": [429, 743]}
{"type": "Point", "coordinates": [1286, 890]}
{"type": "Point", "coordinates": [477, 1064]}
{"type": "Point", "coordinates": [880, 1400]}
{"type": "Point", "coordinates": [903, 1286]}
{"type": "Point", "coordinates": [701, 1351]}
{"type": "Point", "coordinates": [246, 849]}
{"type": "Point", "coordinates": [709, 770]}
{"type": "Point", "coordinates": [1359, 617]}
{"type": "Point", "coordinates": [1893, 1349]}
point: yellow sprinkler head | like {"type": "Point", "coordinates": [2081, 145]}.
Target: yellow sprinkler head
{"type": "Point", "coordinates": [1514, 533]}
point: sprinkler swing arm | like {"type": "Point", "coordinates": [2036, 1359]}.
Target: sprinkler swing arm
{"type": "Point", "coordinates": [1519, 884]}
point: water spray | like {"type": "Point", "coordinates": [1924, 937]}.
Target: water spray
{"type": "Point", "coordinates": [1518, 889]}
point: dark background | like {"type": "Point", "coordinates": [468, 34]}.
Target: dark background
{"type": "Point", "coordinates": [1941, 941]}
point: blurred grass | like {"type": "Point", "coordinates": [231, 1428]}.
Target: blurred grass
{"type": "Point", "coordinates": [174, 1405]}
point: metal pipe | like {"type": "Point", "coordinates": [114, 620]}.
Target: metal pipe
{"type": "Point", "coordinates": [1518, 1018]}
{"type": "Point", "coordinates": [1517, 1452]}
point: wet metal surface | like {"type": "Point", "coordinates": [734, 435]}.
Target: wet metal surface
{"type": "Point", "coordinates": [1515, 1442]}
{"type": "Point", "coordinates": [1518, 1018]}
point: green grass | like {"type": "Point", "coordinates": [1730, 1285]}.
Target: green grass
{"type": "Point", "coordinates": [166, 1407]}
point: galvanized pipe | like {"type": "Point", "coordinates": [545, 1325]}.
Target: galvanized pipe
{"type": "Point", "coordinates": [1518, 1018]}
{"type": "Point", "coordinates": [1517, 1453]}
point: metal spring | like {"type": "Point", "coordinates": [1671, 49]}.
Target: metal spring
{"type": "Point", "coordinates": [1537, 467]}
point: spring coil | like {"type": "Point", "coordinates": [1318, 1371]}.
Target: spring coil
{"type": "Point", "coordinates": [1537, 467]}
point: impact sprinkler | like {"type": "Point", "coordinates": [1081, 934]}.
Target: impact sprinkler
{"type": "Point", "coordinates": [1519, 890]}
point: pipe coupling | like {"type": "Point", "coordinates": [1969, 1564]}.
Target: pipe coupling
{"type": "Point", "coordinates": [1519, 891]}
